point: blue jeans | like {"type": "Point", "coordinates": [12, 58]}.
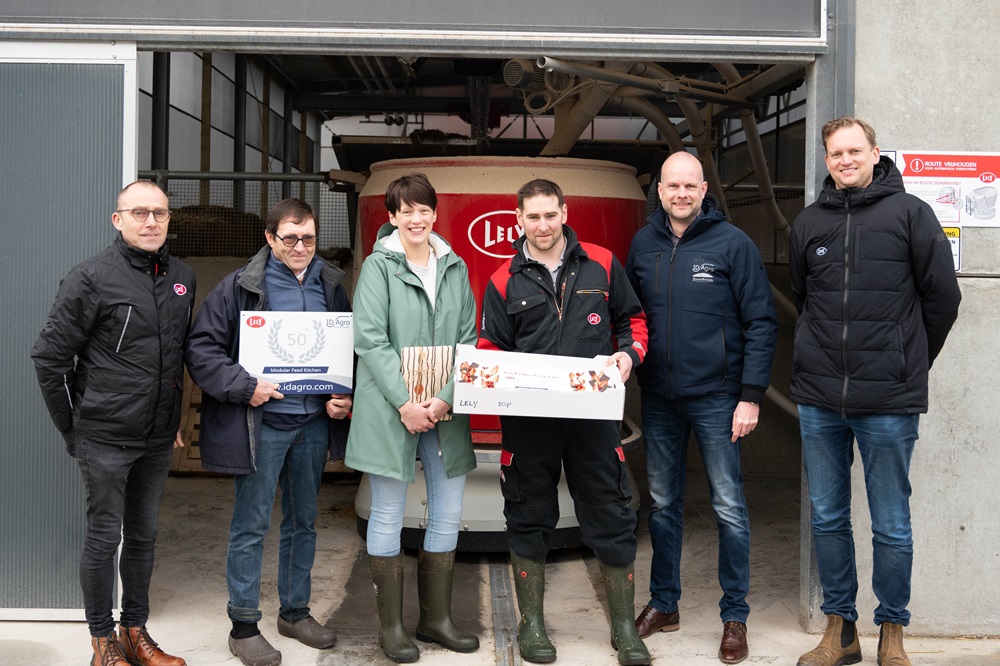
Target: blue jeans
{"type": "Point", "coordinates": [885, 442]}
{"type": "Point", "coordinates": [444, 505]}
{"type": "Point", "coordinates": [294, 459]}
{"type": "Point", "coordinates": [667, 426]}
{"type": "Point", "coordinates": [123, 487]}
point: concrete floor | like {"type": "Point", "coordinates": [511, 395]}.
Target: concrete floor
{"type": "Point", "coordinates": [189, 592]}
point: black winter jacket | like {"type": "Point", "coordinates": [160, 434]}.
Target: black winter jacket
{"type": "Point", "coordinates": [230, 428]}
{"type": "Point", "coordinates": [874, 281]}
{"type": "Point", "coordinates": [708, 303]}
{"type": "Point", "coordinates": [110, 357]}
{"type": "Point", "coordinates": [594, 311]}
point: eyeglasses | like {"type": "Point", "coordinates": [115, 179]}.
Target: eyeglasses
{"type": "Point", "coordinates": [292, 241]}
{"type": "Point", "coordinates": [140, 214]}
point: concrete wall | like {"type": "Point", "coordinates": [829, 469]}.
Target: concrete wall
{"type": "Point", "coordinates": [926, 79]}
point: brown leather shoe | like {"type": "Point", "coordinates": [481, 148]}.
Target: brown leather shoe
{"type": "Point", "coordinates": [734, 648]}
{"type": "Point", "coordinates": [651, 620]}
{"type": "Point", "coordinates": [107, 651]}
{"type": "Point", "coordinates": [142, 650]}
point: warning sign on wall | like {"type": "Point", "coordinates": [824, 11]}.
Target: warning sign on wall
{"type": "Point", "coordinates": [961, 188]}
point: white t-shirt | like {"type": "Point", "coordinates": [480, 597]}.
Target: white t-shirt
{"type": "Point", "coordinates": [427, 275]}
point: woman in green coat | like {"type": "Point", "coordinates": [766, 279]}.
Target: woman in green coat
{"type": "Point", "coordinates": [413, 292]}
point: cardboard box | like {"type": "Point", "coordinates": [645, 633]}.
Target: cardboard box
{"type": "Point", "coordinates": [510, 383]}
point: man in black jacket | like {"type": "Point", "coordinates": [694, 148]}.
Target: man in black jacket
{"type": "Point", "coordinates": [712, 329]}
{"type": "Point", "coordinates": [266, 438]}
{"type": "Point", "coordinates": [558, 295]}
{"type": "Point", "coordinates": [874, 281]}
{"type": "Point", "coordinates": [109, 363]}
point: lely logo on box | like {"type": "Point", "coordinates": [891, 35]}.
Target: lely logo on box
{"type": "Point", "coordinates": [255, 322]}
{"type": "Point", "coordinates": [492, 233]}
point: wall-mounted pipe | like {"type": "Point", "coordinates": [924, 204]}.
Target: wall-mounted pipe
{"type": "Point", "coordinates": [654, 115]}
{"type": "Point", "coordinates": [571, 126]}
{"type": "Point", "coordinates": [757, 158]}
{"type": "Point", "coordinates": [361, 75]}
{"type": "Point", "coordinates": [668, 86]}
{"type": "Point", "coordinates": [159, 148]}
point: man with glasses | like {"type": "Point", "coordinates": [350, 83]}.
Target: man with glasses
{"type": "Point", "coordinates": [265, 438]}
{"type": "Point", "coordinates": [110, 365]}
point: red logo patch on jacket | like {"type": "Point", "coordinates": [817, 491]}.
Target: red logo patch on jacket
{"type": "Point", "coordinates": [180, 289]}
{"type": "Point", "coordinates": [594, 318]}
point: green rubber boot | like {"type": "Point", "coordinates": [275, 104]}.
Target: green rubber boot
{"type": "Point", "coordinates": [619, 586]}
{"type": "Point", "coordinates": [435, 573]}
{"type": "Point", "coordinates": [529, 581]}
{"type": "Point", "coordinates": [387, 575]}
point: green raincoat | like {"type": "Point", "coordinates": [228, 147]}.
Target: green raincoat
{"type": "Point", "coordinates": [392, 311]}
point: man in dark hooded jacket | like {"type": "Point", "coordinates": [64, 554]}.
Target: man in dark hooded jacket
{"type": "Point", "coordinates": [712, 330]}
{"type": "Point", "coordinates": [874, 281]}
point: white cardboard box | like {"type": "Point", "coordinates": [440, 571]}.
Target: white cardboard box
{"type": "Point", "coordinates": [511, 383]}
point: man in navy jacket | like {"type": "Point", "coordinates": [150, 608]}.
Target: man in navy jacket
{"type": "Point", "coordinates": [712, 330]}
{"type": "Point", "coordinates": [264, 438]}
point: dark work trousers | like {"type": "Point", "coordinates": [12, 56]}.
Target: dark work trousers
{"type": "Point", "coordinates": [123, 487]}
{"type": "Point", "coordinates": [534, 451]}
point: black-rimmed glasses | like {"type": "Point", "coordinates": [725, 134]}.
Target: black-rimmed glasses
{"type": "Point", "coordinates": [292, 241]}
{"type": "Point", "coordinates": [140, 214]}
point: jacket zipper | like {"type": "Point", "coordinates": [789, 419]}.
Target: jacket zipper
{"type": "Point", "coordinates": [128, 316]}
{"type": "Point", "coordinates": [656, 276]}
{"type": "Point", "coordinates": [670, 320]}
{"type": "Point", "coordinates": [847, 284]}
{"type": "Point", "coordinates": [561, 303]}
{"type": "Point", "coordinates": [725, 364]}
{"type": "Point", "coordinates": [159, 338]}
{"type": "Point", "coordinates": [69, 394]}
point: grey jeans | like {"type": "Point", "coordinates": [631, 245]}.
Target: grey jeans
{"type": "Point", "coordinates": [123, 487]}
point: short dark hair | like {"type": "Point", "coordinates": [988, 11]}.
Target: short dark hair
{"type": "Point", "coordinates": [413, 188]}
{"type": "Point", "coordinates": [297, 209]}
{"type": "Point", "coordinates": [847, 121]}
{"type": "Point", "coordinates": [539, 187]}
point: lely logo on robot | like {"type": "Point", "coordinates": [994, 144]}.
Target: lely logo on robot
{"type": "Point", "coordinates": [492, 233]}
{"type": "Point", "coordinates": [255, 322]}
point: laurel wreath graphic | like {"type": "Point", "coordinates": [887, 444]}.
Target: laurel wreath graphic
{"type": "Point", "coordinates": [317, 347]}
{"type": "Point", "coordinates": [275, 346]}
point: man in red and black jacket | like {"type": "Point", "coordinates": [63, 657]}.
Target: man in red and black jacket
{"type": "Point", "coordinates": [560, 296]}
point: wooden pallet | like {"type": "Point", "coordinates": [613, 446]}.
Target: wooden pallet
{"type": "Point", "coordinates": [187, 460]}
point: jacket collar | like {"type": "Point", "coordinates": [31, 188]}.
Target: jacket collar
{"type": "Point", "coordinates": [711, 214]}
{"type": "Point", "coordinates": [886, 180]}
{"type": "Point", "coordinates": [388, 242]}
{"type": "Point", "coordinates": [252, 276]}
{"type": "Point", "coordinates": [573, 249]}
{"type": "Point", "coordinates": [155, 263]}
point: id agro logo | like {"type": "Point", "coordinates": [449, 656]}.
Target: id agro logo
{"type": "Point", "coordinates": [702, 272]}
